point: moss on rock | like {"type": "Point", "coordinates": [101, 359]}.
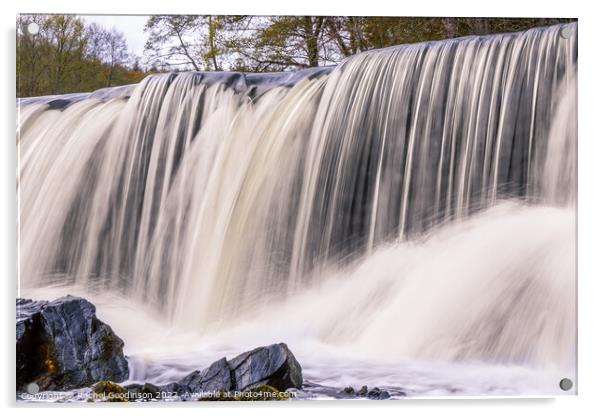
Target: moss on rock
{"type": "Point", "coordinates": [109, 391]}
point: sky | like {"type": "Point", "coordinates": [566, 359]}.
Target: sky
{"type": "Point", "coordinates": [131, 26]}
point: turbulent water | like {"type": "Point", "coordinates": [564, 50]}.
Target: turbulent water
{"type": "Point", "coordinates": [405, 219]}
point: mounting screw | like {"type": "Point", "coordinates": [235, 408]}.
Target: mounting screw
{"type": "Point", "coordinates": [31, 28]}
{"type": "Point", "coordinates": [566, 384]}
{"type": "Point", "coordinates": [566, 32]}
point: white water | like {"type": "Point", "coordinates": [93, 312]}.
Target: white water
{"type": "Point", "coordinates": [375, 324]}
{"type": "Point", "coordinates": [404, 220]}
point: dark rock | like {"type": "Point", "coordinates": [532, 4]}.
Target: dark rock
{"type": "Point", "coordinates": [274, 365]}
{"type": "Point", "coordinates": [378, 394]}
{"type": "Point", "coordinates": [151, 389]}
{"type": "Point", "coordinates": [363, 391]}
{"type": "Point", "coordinates": [62, 345]}
{"type": "Point", "coordinates": [143, 392]}
{"type": "Point", "coordinates": [216, 377]}
{"type": "Point", "coordinates": [348, 390]}
{"type": "Point", "coordinates": [134, 388]}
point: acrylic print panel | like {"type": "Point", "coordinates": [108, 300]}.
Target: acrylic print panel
{"type": "Point", "coordinates": [342, 207]}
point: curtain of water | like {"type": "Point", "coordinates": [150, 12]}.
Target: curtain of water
{"type": "Point", "coordinates": [210, 194]}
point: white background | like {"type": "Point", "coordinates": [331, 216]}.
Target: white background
{"type": "Point", "coordinates": [590, 161]}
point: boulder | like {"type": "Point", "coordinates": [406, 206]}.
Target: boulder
{"type": "Point", "coordinates": [62, 345]}
{"type": "Point", "coordinates": [378, 394]}
{"type": "Point", "coordinates": [216, 377]}
{"type": "Point", "coordinates": [107, 391]}
{"type": "Point", "coordinates": [274, 366]}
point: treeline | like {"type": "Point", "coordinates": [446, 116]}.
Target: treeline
{"type": "Point", "coordinates": [277, 43]}
{"type": "Point", "coordinates": [68, 55]}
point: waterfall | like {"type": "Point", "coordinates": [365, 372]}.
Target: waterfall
{"type": "Point", "coordinates": [213, 196]}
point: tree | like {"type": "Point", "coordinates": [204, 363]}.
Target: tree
{"type": "Point", "coordinates": [50, 60]}
{"type": "Point", "coordinates": [68, 56]}
{"type": "Point", "coordinates": [213, 26]}
{"type": "Point", "coordinates": [183, 40]}
{"type": "Point", "coordinates": [173, 38]}
{"type": "Point", "coordinates": [29, 56]}
{"type": "Point", "coordinates": [68, 48]}
{"type": "Point", "coordinates": [109, 49]}
{"type": "Point", "coordinates": [281, 42]}
{"type": "Point", "coordinates": [347, 33]}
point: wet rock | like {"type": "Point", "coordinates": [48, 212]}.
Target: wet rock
{"type": "Point", "coordinates": [216, 377]}
{"type": "Point", "coordinates": [109, 392]}
{"type": "Point", "coordinates": [363, 391]}
{"type": "Point", "coordinates": [350, 391]}
{"type": "Point", "coordinates": [274, 365]}
{"type": "Point", "coordinates": [151, 389]}
{"type": "Point", "coordinates": [143, 392]}
{"type": "Point", "coordinates": [62, 345]}
{"type": "Point", "coordinates": [134, 387]}
{"type": "Point", "coordinates": [378, 394]}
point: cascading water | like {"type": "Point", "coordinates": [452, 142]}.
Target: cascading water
{"type": "Point", "coordinates": [414, 203]}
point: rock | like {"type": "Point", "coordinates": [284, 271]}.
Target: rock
{"type": "Point", "coordinates": [151, 389]}
{"type": "Point", "coordinates": [363, 391]}
{"type": "Point", "coordinates": [217, 377]}
{"type": "Point", "coordinates": [62, 345]}
{"type": "Point", "coordinates": [348, 390]}
{"type": "Point", "coordinates": [274, 365]}
{"type": "Point", "coordinates": [144, 392]}
{"type": "Point", "coordinates": [378, 394]}
{"type": "Point", "coordinates": [134, 387]}
{"type": "Point", "coordinates": [109, 392]}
